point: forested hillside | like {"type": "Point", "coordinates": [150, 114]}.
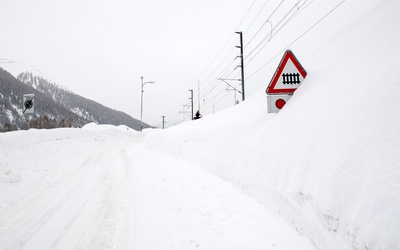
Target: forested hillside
{"type": "Point", "coordinates": [54, 106]}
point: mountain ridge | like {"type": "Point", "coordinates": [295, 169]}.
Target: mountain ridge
{"type": "Point", "coordinates": [55, 105]}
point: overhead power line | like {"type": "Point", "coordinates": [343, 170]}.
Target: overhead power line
{"type": "Point", "coordinates": [214, 91]}
{"type": "Point", "coordinates": [300, 36]}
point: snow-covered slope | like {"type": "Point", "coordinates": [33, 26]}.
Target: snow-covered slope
{"type": "Point", "coordinates": [30, 75]}
{"type": "Point", "coordinates": [40, 83]}
{"type": "Point", "coordinates": [329, 161]}
{"type": "Point", "coordinates": [17, 67]}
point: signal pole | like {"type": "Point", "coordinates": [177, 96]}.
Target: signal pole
{"type": "Point", "coordinates": [163, 121]}
{"type": "Point", "coordinates": [241, 61]}
{"type": "Point", "coordinates": [191, 98]}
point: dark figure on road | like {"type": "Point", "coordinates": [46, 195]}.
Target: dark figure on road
{"type": "Point", "coordinates": [197, 115]}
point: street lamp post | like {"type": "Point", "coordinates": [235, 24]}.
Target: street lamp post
{"type": "Point", "coordinates": [141, 104]}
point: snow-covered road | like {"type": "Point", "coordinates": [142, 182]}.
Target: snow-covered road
{"type": "Point", "coordinates": [102, 189]}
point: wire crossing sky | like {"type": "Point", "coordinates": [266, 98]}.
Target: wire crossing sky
{"type": "Point", "coordinates": [101, 49]}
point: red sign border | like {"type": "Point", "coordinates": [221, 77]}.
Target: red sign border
{"type": "Point", "coordinates": [288, 55]}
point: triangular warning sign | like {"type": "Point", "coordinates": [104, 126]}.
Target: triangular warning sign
{"type": "Point", "coordinates": [288, 76]}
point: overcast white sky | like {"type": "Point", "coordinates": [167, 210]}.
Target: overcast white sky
{"type": "Point", "coordinates": [99, 49]}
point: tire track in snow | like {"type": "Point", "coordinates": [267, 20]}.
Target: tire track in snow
{"type": "Point", "coordinates": [51, 212]}
{"type": "Point", "coordinates": [101, 221]}
{"type": "Point", "coordinates": [67, 208]}
{"type": "Point", "coordinates": [36, 210]}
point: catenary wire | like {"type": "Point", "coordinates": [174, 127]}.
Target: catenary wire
{"type": "Point", "coordinates": [295, 40]}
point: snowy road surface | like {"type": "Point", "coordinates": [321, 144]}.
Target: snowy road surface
{"type": "Point", "coordinates": [102, 189]}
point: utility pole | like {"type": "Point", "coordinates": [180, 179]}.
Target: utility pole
{"type": "Point", "coordinates": [191, 98]}
{"type": "Point", "coordinates": [141, 103]}
{"type": "Point", "coordinates": [241, 60]}
{"type": "Point", "coordinates": [163, 121]}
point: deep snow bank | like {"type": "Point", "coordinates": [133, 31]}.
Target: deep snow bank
{"type": "Point", "coordinates": [329, 162]}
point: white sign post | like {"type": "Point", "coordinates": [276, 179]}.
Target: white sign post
{"type": "Point", "coordinates": [28, 103]}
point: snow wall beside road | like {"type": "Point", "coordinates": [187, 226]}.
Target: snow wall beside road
{"type": "Point", "coordinates": [329, 161]}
